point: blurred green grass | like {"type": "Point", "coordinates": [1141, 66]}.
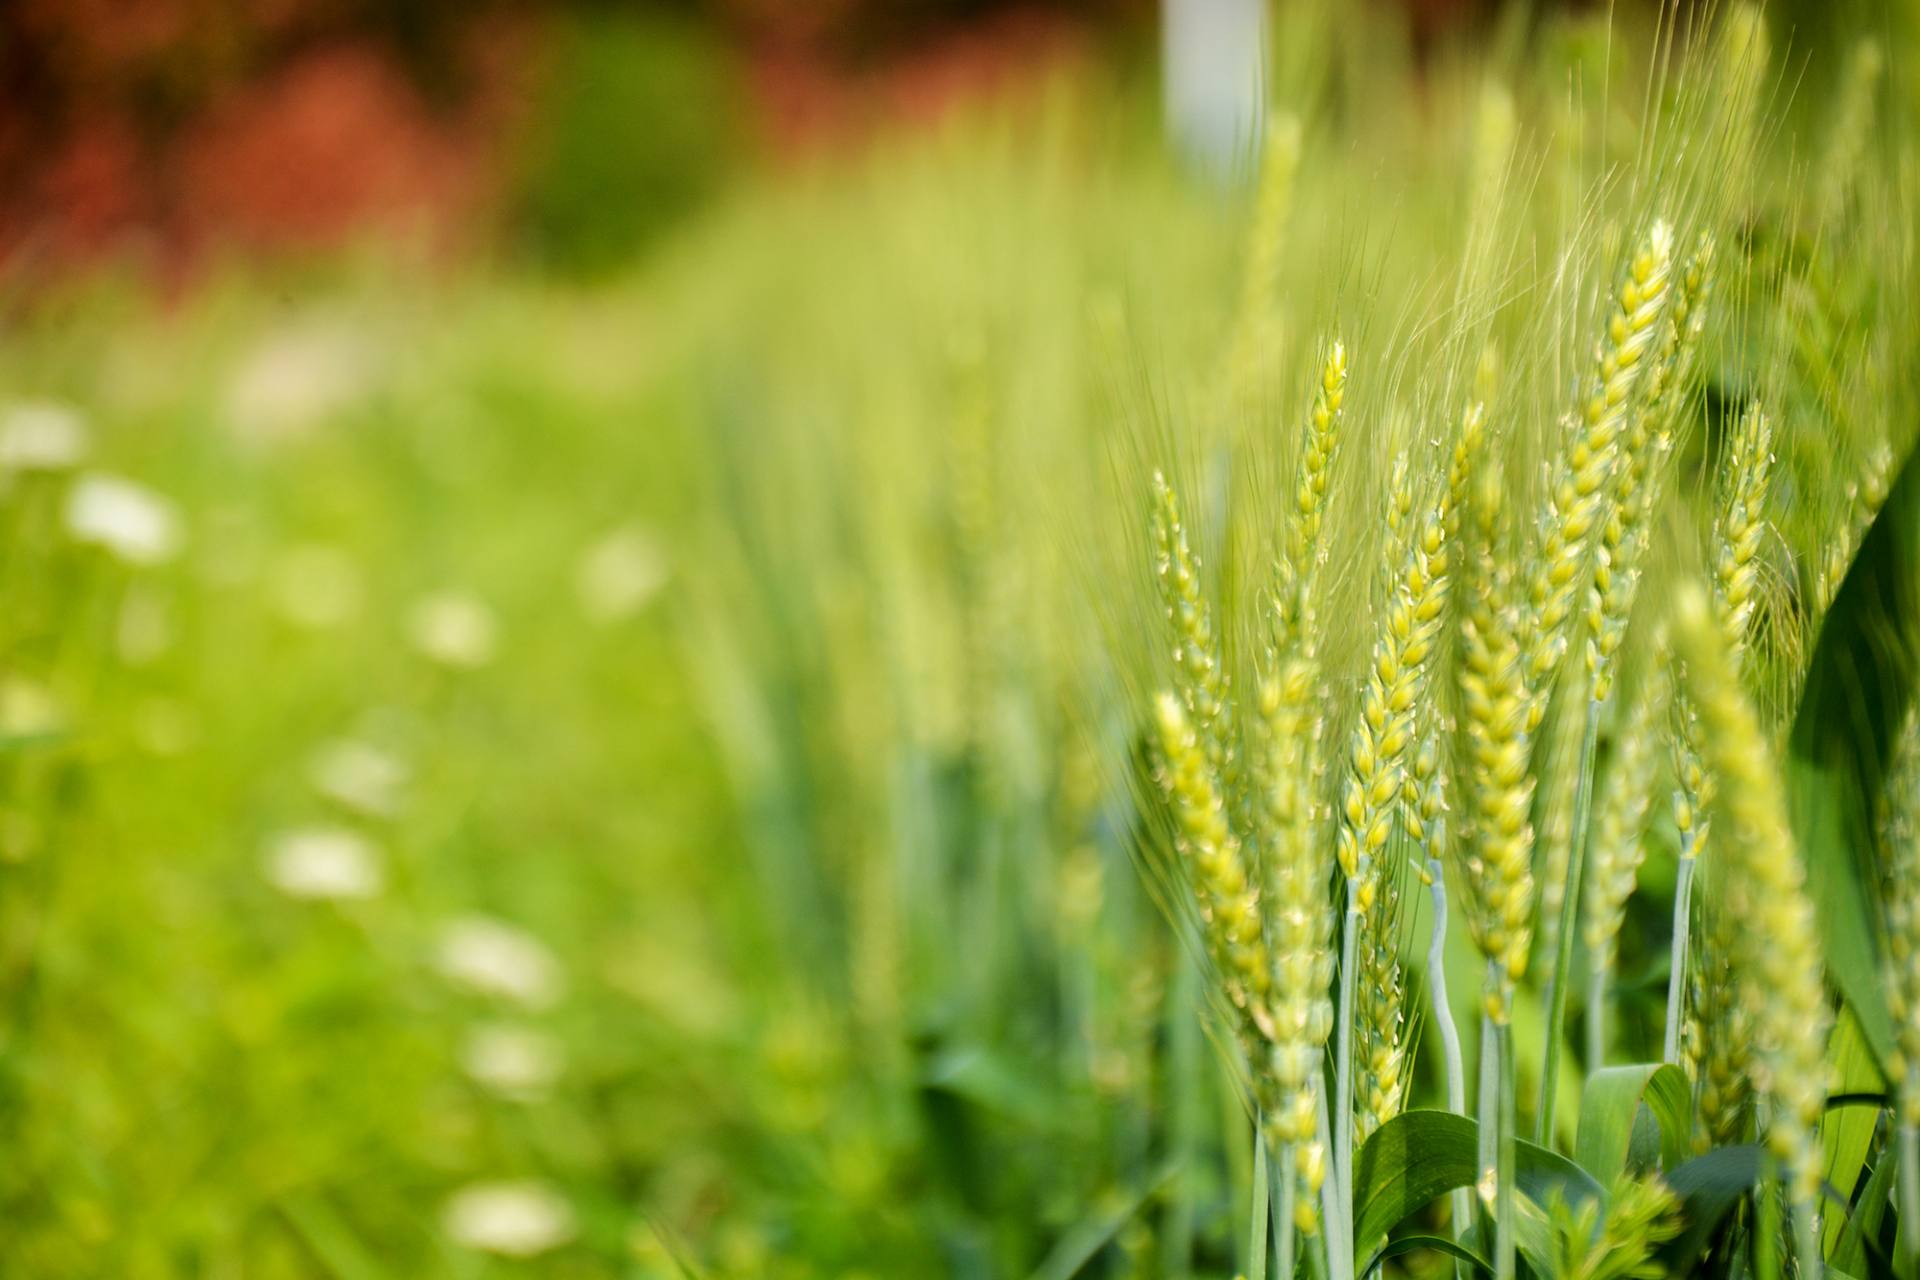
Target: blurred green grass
{"type": "Point", "coordinates": [204, 1074]}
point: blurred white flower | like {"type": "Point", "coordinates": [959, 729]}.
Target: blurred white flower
{"type": "Point", "coordinates": [516, 1062]}
{"type": "Point", "coordinates": [359, 776]}
{"type": "Point", "coordinates": [455, 630]}
{"type": "Point", "coordinates": [39, 435]}
{"type": "Point", "coordinates": [493, 958]}
{"type": "Point", "coordinates": [298, 377]}
{"type": "Point", "coordinates": [28, 709]}
{"type": "Point", "coordinates": [316, 586]}
{"type": "Point", "coordinates": [324, 863]}
{"type": "Point", "coordinates": [515, 1219]}
{"type": "Point", "coordinates": [619, 574]}
{"type": "Point", "coordinates": [129, 520]}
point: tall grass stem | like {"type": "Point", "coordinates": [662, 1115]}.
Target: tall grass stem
{"type": "Point", "coordinates": [1283, 1218]}
{"type": "Point", "coordinates": [1342, 1149]}
{"type": "Point", "coordinates": [1908, 1241]}
{"type": "Point", "coordinates": [1677, 975]}
{"type": "Point", "coordinates": [1443, 1022]}
{"type": "Point", "coordinates": [1596, 1015]}
{"type": "Point", "coordinates": [1336, 1227]}
{"type": "Point", "coordinates": [1261, 1208]}
{"type": "Point", "coordinates": [1569, 916]}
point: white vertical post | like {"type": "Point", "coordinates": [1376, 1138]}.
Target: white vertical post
{"type": "Point", "coordinates": [1213, 56]}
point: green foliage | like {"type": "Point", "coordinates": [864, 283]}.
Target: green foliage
{"type": "Point", "coordinates": [1860, 686]}
{"type": "Point", "coordinates": [1610, 1119]}
{"type": "Point", "coordinates": [637, 129]}
{"type": "Point", "coordinates": [766, 637]}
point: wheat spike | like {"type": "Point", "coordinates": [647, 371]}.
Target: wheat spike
{"type": "Point", "coordinates": [1646, 448]}
{"type": "Point", "coordinates": [1215, 865]}
{"type": "Point", "coordinates": [1298, 570]}
{"type": "Point", "coordinates": [1583, 474]}
{"type": "Point", "coordinates": [1201, 677]}
{"type": "Point", "coordinates": [1776, 949]}
{"type": "Point", "coordinates": [1494, 701]}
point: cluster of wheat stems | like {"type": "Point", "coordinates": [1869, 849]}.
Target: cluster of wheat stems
{"type": "Point", "coordinates": [1305, 798]}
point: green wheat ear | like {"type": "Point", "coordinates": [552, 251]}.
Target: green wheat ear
{"type": "Point", "coordinates": [1583, 474]}
{"type": "Point", "coordinates": [1255, 326]}
{"type": "Point", "coordinates": [1295, 624]}
{"type": "Point", "coordinates": [1627, 521]}
{"type": "Point", "coordinates": [1200, 674]}
{"type": "Point", "coordinates": [1776, 950]}
{"type": "Point", "coordinates": [1641, 1215]}
{"type": "Point", "coordinates": [1215, 864]}
{"type": "Point", "coordinates": [1494, 699]}
{"type": "Point", "coordinates": [1299, 918]}
{"type": "Point", "coordinates": [1399, 671]}
{"type": "Point", "coordinates": [1739, 530]}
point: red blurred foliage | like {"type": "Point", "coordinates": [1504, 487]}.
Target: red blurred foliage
{"type": "Point", "coordinates": [805, 96]}
{"type": "Point", "coordinates": [334, 141]}
{"type": "Point", "coordinates": [168, 129]}
{"type": "Point", "coordinates": [171, 130]}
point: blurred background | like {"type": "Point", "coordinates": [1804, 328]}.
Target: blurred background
{"type": "Point", "coordinates": [544, 723]}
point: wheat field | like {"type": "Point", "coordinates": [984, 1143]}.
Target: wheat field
{"type": "Point", "coordinates": [995, 708]}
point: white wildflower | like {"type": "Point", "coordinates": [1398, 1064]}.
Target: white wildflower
{"type": "Point", "coordinates": [493, 958]}
{"type": "Point", "coordinates": [39, 435]}
{"type": "Point", "coordinates": [129, 520]}
{"type": "Point", "coordinates": [297, 378]}
{"type": "Point", "coordinates": [316, 586]}
{"type": "Point", "coordinates": [360, 777]}
{"type": "Point", "coordinates": [325, 864]}
{"type": "Point", "coordinates": [619, 574]}
{"type": "Point", "coordinates": [455, 630]}
{"type": "Point", "coordinates": [516, 1062]}
{"type": "Point", "coordinates": [28, 710]}
{"type": "Point", "coordinates": [515, 1219]}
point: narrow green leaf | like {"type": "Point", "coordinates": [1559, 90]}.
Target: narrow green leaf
{"type": "Point", "coordinates": [332, 1243]}
{"type": "Point", "coordinates": [1438, 1244]}
{"type": "Point", "coordinates": [1535, 1238]}
{"type": "Point", "coordinates": [1086, 1238]}
{"type": "Point", "coordinates": [1846, 1132]}
{"type": "Point", "coordinates": [1610, 1105]}
{"type": "Point", "coordinates": [1859, 685]}
{"type": "Point", "coordinates": [1709, 1186]}
{"type": "Point", "coordinates": [1418, 1156]}
{"type": "Point", "coordinates": [1863, 1222]}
